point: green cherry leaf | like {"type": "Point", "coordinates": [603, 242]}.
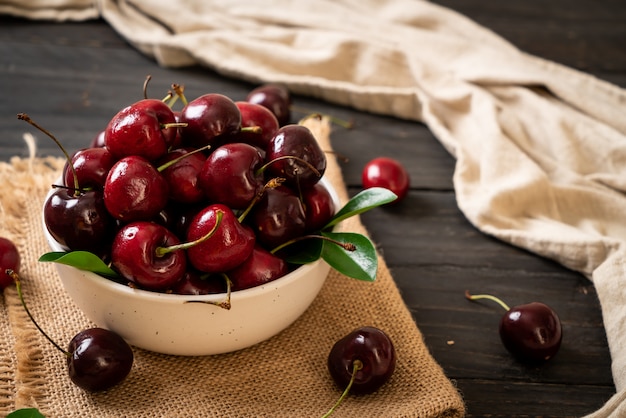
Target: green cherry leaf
{"type": "Point", "coordinates": [26, 413]}
{"type": "Point", "coordinates": [361, 264]}
{"type": "Point", "coordinates": [363, 201]}
{"type": "Point", "coordinates": [82, 260]}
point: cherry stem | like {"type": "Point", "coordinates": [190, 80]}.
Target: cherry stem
{"type": "Point", "coordinates": [225, 304]}
{"type": "Point", "coordinates": [471, 297]}
{"type": "Point", "coordinates": [288, 157]}
{"type": "Point", "coordinates": [168, 164]}
{"type": "Point", "coordinates": [169, 99]}
{"type": "Point", "coordinates": [252, 129]}
{"type": "Point", "coordinates": [145, 86]}
{"type": "Point", "coordinates": [61, 186]}
{"type": "Point", "coordinates": [18, 287]}
{"type": "Point", "coordinates": [26, 118]}
{"type": "Point", "coordinates": [174, 125]}
{"type": "Point", "coordinates": [180, 92]}
{"type": "Point", "coordinates": [356, 366]}
{"type": "Point", "coordinates": [161, 251]}
{"type": "Point", "coordinates": [348, 246]}
{"type": "Point", "coordinates": [272, 183]}
{"type": "Point", "coordinates": [348, 124]}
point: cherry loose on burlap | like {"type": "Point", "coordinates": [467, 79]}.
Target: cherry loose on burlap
{"type": "Point", "coordinates": [285, 376]}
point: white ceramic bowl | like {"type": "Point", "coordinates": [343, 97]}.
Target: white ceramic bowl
{"type": "Point", "coordinates": [168, 324]}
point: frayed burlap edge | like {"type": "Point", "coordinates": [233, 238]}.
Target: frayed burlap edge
{"type": "Point", "coordinates": [22, 383]}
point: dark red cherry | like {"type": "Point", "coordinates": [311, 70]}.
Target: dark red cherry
{"type": "Point", "coordinates": [319, 206]}
{"type": "Point", "coordinates": [276, 98]}
{"type": "Point", "coordinates": [135, 190]}
{"type": "Point", "coordinates": [532, 332]}
{"type": "Point", "coordinates": [388, 173]}
{"type": "Point", "coordinates": [98, 359]}
{"type": "Point", "coordinates": [227, 248]}
{"type": "Point", "coordinates": [143, 129]}
{"type": "Point", "coordinates": [309, 164]}
{"type": "Point", "coordinates": [98, 140]}
{"type": "Point", "coordinates": [9, 259]}
{"type": "Point", "coordinates": [137, 254]}
{"type": "Point", "coordinates": [209, 118]}
{"type": "Point", "coordinates": [197, 283]}
{"type": "Point", "coordinates": [230, 175]}
{"type": "Point", "coordinates": [260, 268]}
{"type": "Point", "coordinates": [374, 355]}
{"type": "Point", "coordinates": [79, 221]}
{"type": "Point", "coordinates": [278, 217]}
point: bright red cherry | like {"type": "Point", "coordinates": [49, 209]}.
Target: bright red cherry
{"type": "Point", "coordinates": [388, 173]}
{"type": "Point", "coordinates": [256, 116]}
{"type": "Point", "coordinates": [91, 166]}
{"type": "Point", "coordinates": [141, 253]}
{"type": "Point", "coordinates": [230, 245]}
{"type": "Point", "coordinates": [146, 128]}
{"type": "Point", "coordinates": [135, 190]}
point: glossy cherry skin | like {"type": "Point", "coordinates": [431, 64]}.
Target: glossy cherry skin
{"type": "Point", "coordinates": [92, 166]}
{"type": "Point", "coordinates": [197, 283]}
{"type": "Point", "coordinates": [274, 97]}
{"type": "Point", "coordinates": [278, 217]}
{"type": "Point", "coordinates": [319, 206]}
{"type": "Point", "coordinates": [182, 176]}
{"type": "Point", "coordinates": [227, 248]}
{"type": "Point", "coordinates": [9, 259]}
{"type": "Point", "coordinates": [139, 129]}
{"type": "Point", "coordinates": [255, 115]}
{"type": "Point", "coordinates": [376, 352]}
{"type": "Point", "coordinates": [388, 173]}
{"type": "Point", "coordinates": [99, 359]}
{"type": "Point", "coordinates": [135, 190]}
{"type": "Point", "coordinates": [209, 118]}
{"type": "Point", "coordinates": [134, 256]}
{"type": "Point", "coordinates": [531, 332]}
{"type": "Point", "coordinates": [260, 268]}
{"type": "Point", "coordinates": [296, 141]}
{"type": "Point", "coordinates": [79, 222]}
{"type": "Point", "coordinates": [230, 175]}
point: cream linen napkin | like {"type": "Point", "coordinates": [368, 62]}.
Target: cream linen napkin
{"type": "Point", "coordinates": [540, 148]}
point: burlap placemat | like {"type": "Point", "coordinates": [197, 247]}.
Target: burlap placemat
{"type": "Point", "coordinates": [285, 376]}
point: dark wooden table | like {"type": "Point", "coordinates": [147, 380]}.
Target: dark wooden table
{"type": "Point", "coordinates": [72, 77]}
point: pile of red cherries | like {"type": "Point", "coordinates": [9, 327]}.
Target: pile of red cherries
{"type": "Point", "coordinates": [174, 200]}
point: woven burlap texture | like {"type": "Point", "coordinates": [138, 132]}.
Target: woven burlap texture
{"type": "Point", "coordinates": [285, 376]}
